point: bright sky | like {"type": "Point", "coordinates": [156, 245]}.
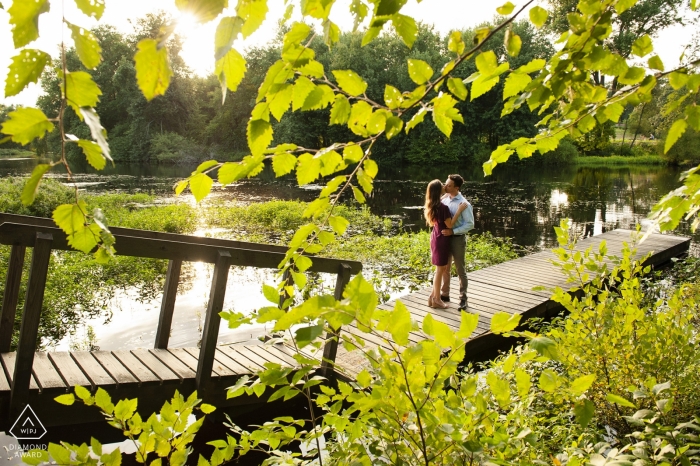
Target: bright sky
{"type": "Point", "coordinates": [198, 53]}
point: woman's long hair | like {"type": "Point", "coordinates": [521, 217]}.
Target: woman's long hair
{"type": "Point", "coordinates": [432, 202]}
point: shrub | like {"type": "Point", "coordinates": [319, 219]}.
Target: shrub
{"type": "Point", "coordinates": [172, 148]}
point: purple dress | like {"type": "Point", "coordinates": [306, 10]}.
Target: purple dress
{"type": "Point", "coordinates": [440, 244]}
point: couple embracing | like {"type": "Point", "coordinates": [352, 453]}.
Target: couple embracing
{"type": "Point", "coordinates": [451, 217]}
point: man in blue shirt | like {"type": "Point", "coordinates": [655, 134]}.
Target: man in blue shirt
{"type": "Point", "coordinates": [458, 241]}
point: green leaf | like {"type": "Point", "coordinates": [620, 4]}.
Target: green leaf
{"type": "Point", "coordinates": [581, 384]}
{"type": "Point", "coordinates": [152, 68]}
{"type": "Point", "coordinates": [302, 89]}
{"type": "Point", "coordinates": [281, 100]}
{"type": "Point", "coordinates": [202, 10]}
{"type": "Point", "coordinates": [207, 408]}
{"type": "Point", "coordinates": [67, 399]}
{"type": "Point", "coordinates": [584, 411]}
{"type": "Point", "coordinates": [406, 28]}
{"type": "Point", "coordinates": [523, 382]}
{"type": "Point", "coordinates": [457, 87]}
{"type": "Point", "coordinates": [31, 187]}
{"type": "Point", "coordinates": [545, 346]}
{"type": "Point", "coordinates": [392, 97]}
{"type": "Point", "coordinates": [513, 44]}
{"type": "Point", "coordinates": [81, 91]}
{"type": "Point", "coordinates": [612, 398]}
{"type": "Point", "coordinates": [515, 82]}
{"type": "Point", "coordinates": [353, 153]}
{"type": "Point", "coordinates": [500, 389]}
{"type": "Point", "coordinates": [308, 168]}
{"type": "Point", "coordinates": [400, 323]}
{"type": "Point", "coordinates": [467, 324]}
{"type": "Point", "coordinates": [676, 131]}
{"type": "Point", "coordinates": [393, 126]}
{"type": "Point", "coordinates": [677, 79]}
{"type": "Point", "coordinates": [60, 454]}
{"type": "Point", "coordinates": [200, 185]}
{"type": "Point", "coordinates": [24, 17]}
{"type": "Point", "coordinates": [642, 46]}
{"type": "Point", "coordinates": [99, 134]}
{"type": "Point", "coordinates": [313, 69]}
{"type": "Point", "coordinates": [320, 97]}
{"type": "Point", "coordinates": [419, 71]}
{"type": "Point", "coordinates": [82, 392]}
{"type": "Point", "coordinates": [283, 163]}
{"type": "Point", "coordinates": [25, 124]}
{"type": "Point", "coordinates": [253, 13]}
{"type": "Point", "coordinates": [271, 294]}
{"type": "Point", "coordinates": [538, 16]}
{"type": "Point", "coordinates": [486, 62]}
{"type": "Point", "coordinates": [89, 50]}
{"type": "Point", "coordinates": [104, 401]}
{"type": "Point", "coordinates": [340, 111]}
{"type": "Point", "coordinates": [350, 82]}
{"type": "Point", "coordinates": [226, 33]}
{"type": "Point", "coordinates": [364, 379]}
{"type": "Point", "coordinates": [338, 224]}
{"type": "Point", "coordinates": [655, 63]}
{"type": "Point", "coordinates": [548, 380]}
{"type": "Point", "coordinates": [503, 322]}
{"type": "Point", "coordinates": [306, 335]}
{"type": "Point", "coordinates": [230, 69]}
{"type": "Point", "coordinates": [444, 336]}
{"type": "Point", "coordinates": [505, 9]}
{"type": "Point", "coordinates": [92, 8]}
{"type": "Point", "coordinates": [259, 134]}
{"type": "Point", "coordinates": [93, 153]}
{"type": "Point", "coordinates": [417, 118]}
{"type": "Point", "coordinates": [24, 69]}
{"type": "Point", "coordinates": [455, 43]}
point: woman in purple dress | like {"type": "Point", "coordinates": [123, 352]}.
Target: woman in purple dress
{"type": "Point", "coordinates": [438, 216]}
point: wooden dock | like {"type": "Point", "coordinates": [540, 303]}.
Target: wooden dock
{"type": "Point", "coordinates": [508, 287]}
{"type": "Point", "coordinates": [35, 378]}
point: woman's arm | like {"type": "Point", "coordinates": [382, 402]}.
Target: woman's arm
{"type": "Point", "coordinates": [451, 221]}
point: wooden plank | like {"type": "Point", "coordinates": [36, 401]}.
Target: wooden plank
{"type": "Point", "coordinates": [70, 372]}
{"type": "Point", "coordinates": [155, 366]}
{"type": "Point", "coordinates": [284, 352]}
{"type": "Point", "coordinates": [167, 305]}
{"type": "Point", "coordinates": [29, 330]}
{"type": "Point", "coordinates": [115, 368]}
{"type": "Point", "coordinates": [173, 363]}
{"type": "Point", "coordinates": [45, 373]}
{"type": "Point", "coordinates": [5, 381]}
{"type": "Point", "coordinates": [92, 369]}
{"type": "Point", "coordinates": [240, 359]}
{"type": "Point", "coordinates": [136, 367]}
{"type": "Point", "coordinates": [210, 334]}
{"type": "Point", "coordinates": [220, 367]}
{"type": "Point", "coordinates": [13, 280]}
{"type": "Point", "coordinates": [265, 353]}
{"type": "Point", "coordinates": [230, 363]}
{"type": "Point", "coordinates": [188, 360]}
{"type": "Point", "coordinates": [8, 361]}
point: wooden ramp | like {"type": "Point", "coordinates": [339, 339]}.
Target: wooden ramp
{"type": "Point", "coordinates": [508, 287]}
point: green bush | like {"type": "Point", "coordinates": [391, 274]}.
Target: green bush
{"type": "Point", "coordinates": [173, 148]}
{"type": "Point", "coordinates": [51, 194]}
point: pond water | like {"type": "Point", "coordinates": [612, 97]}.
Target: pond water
{"type": "Point", "coordinates": [522, 203]}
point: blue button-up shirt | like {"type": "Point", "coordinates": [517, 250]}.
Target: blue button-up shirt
{"type": "Point", "coordinates": [465, 221]}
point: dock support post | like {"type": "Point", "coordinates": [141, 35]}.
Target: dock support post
{"type": "Point", "coordinates": [330, 350]}
{"type": "Point", "coordinates": [167, 306]}
{"type": "Point", "coordinates": [205, 364]}
{"type": "Point", "coordinates": [26, 347]}
{"type": "Point", "coordinates": [11, 296]}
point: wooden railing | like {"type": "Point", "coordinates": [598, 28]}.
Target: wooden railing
{"type": "Point", "coordinates": [43, 236]}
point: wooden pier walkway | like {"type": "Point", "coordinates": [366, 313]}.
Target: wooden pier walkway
{"type": "Point", "coordinates": [35, 378]}
{"type": "Point", "coordinates": [508, 287]}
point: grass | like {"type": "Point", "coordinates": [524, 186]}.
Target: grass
{"type": "Point", "coordinates": [621, 160]}
{"type": "Point", "coordinates": [16, 152]}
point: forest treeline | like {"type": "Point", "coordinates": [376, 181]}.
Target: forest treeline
{"type": "Point", "coordinates": [190, 124]}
